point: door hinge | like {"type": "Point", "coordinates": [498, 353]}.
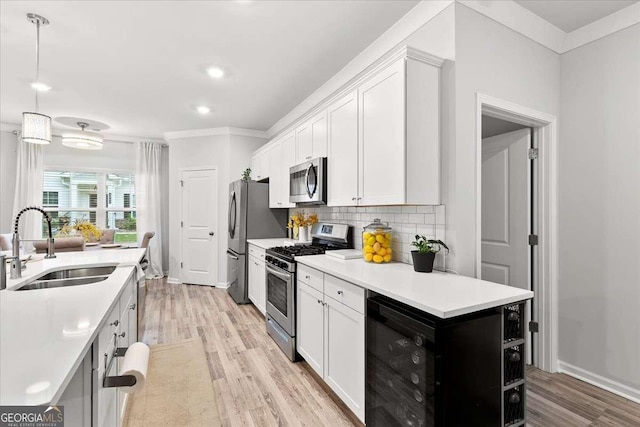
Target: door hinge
{"type": "Point", "coordinates": [533, 326]}
{"type": "Point", "coordinates": [533, 239]}
{"type": "Point", "coordinates": [181, 183]}
{"type": "Point", "coordinates": [181, 224]}
{"type": "Point", "coordinates": [181, 265]}
{"type": "Point", "coordinates": [532, 154]}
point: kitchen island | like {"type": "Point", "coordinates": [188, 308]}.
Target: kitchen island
{"type": "Point", "coordinates": [47, 335]}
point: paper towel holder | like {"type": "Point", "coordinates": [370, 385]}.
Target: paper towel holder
{"type": "Point", "coordinates": [117, 380]}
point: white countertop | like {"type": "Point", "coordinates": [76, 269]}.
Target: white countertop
{"type": "Point", "coordinates": [278, 241]}
{"type": "Point", "coordinates": [45, 333]}
{"type": "Point", "coordinates": [441, 294]}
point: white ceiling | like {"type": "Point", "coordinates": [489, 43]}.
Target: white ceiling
{"type": "Point", "coordinates": [139, 66]}
{"type": "Point", "coordinates": [569, 15]}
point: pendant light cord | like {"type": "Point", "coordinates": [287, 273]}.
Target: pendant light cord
{"type": "Point", "coordinates": [37, 60]}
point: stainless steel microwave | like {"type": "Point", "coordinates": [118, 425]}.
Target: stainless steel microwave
{"type": "Point", "coordinates": [308, 182]}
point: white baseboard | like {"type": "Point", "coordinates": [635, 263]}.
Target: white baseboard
{"type": "Point", "coordinates": [600, 381]}
{"type": "Point", "coordinates": [173, 281]}
{"type": "Point", "coordinates": [222, 285]}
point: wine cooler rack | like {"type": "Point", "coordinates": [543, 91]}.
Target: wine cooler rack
{"type": "Point", "coordinates": [513, 365]}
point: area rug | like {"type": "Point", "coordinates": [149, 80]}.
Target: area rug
{"type": "Point", "coordinates": [178, 389]}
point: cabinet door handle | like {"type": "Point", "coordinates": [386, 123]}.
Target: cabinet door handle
{"type": "Point", "coordinates": [132, 306]}
{"type": "Point", "coordinates": [114, 323]}
{"type": "Point", "coordinates": [122, 335]}
{"type": "Point", "coordinates": [354, 198]}
{"type": "Point", "coordinates": [319, 301]}
{"type": "Point", "coordinates": [307, 277]}
{"type": "Point", "coordinates": [339, 292]}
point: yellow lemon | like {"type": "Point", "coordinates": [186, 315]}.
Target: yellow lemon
{"type": "Point", "coordinates": [377, 247]}
{"type": "Point", "coordinates": [377, 259]}
{"type": "Point", "coordinates": [368, 257]}
{"type": "Point", "coordinates": [365, 236]}
{"type": "Point", "coordinates": [389, 250]}
{"type": "Point", "coordinates": [387, 258]}
{"type": "Point", "coordinates": [371, 241]}
{"type": "Point", "coordinates": [380, 238]}
{"type": "Point", "coordinates": [369, 249]}
{"type": "Point", "coordinates": [381, 252]}
{"type": "Point", "coordinates": [386, 243]}
{"type": "Point", "coordinates": [388, 236]}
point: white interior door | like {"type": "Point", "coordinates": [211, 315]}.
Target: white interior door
{"type": "Point", "coordinates": [199, 227]}
{"type": "Point", "coordinates": [506, 212]}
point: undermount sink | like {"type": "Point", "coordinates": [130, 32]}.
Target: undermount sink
{"type": "Point", "coordinates": [69, 277]}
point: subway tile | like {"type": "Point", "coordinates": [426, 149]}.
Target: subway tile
{"type": "Point", "coordinates": [401, 218]}
{"type": "Point", "coordinates": [440, 214]}
{"type": "Point", "coordinates": [425, 209]}
{"type": "Point", "coordinates": [429, 219]}
{"type": "Point", "coordinates": [409, 209]}
{"type": "Point", "coordinates": [416, 218]}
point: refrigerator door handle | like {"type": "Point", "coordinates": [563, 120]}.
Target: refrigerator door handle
{"type": "Point", "coordinates": [232, 256]}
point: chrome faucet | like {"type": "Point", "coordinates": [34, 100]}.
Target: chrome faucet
{"type": "Point", "coordinates": [16, 264]}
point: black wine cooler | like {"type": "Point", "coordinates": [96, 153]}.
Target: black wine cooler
{"type": "Point", "coordinates": [424, 371]}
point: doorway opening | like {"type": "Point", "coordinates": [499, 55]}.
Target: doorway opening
{"type": "Point", "coordinates": [516, 158]}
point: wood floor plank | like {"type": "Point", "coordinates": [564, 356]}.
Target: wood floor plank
{"type": "Point", "coordinates": [257, 386]}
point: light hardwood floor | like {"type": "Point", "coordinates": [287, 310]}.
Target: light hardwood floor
{"type": "Point", "coordinates": [256, 385]}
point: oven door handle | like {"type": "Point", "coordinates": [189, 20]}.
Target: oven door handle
{"type": "Point", "coordinates": [284, 276]}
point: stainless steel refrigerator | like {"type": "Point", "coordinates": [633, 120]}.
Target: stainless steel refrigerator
{"type": "Point", "coordinates": [249, 218]}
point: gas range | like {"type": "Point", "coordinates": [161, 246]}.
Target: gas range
{"type": "Point", "coordinates": [284, 256]}
{"type": "Point", "coordinates": [281, 280]}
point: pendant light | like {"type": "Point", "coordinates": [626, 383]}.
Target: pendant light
{"type": "Point", "coordinates": [82, 139]}
{"type": "Point", "coordinates": [36, 127]}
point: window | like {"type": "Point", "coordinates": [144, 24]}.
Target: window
{"type": "Point", "coordinates": [50, 199]}
{"type": "Point", "coordinates": [106, 199]}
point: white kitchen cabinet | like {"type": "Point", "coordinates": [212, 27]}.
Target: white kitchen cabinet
{"type": "Point", "coordinates": [311, 138]}
{"type": "Point", "coordinates": [399, 138]}
{"type": "Point", "coordinates": [330, 334]}
{"type": "Point", "coordinates": [281, 158]}
{"type": "Point", "coordinates": [260, 163]}
{"type": "Point", "coordinates": [310, 326]}
{"type": "Point", "coordinates": [344, 351]}
{"type": "Point", "coordinates": [257, 283]}
{"type": "Point", "coordinates": [342, 163]}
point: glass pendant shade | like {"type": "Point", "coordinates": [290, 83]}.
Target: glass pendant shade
{"type": "Point", "coordinates": [82, 139]}
{"type": "Point", "coordinates": [36, 128]}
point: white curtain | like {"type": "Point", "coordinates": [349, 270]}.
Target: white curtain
{"type": "Point", "coordinates": [29, 171]}
{"type": "Point", "coordinates": [148, 201]}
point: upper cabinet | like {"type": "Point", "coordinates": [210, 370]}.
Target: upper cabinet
{"type": "Point", "coordinates": [390, 140]}
{"type": "Point", "coordinates": [260, 163]}
{"type": "Point", "coordinates": [342, 162]}
{"type": "Point", "coordinates": [281, 158]}
{"type": "Point", "coordinates": [311, 138]}
{"type": "Point", "coordinates": [381, 135]}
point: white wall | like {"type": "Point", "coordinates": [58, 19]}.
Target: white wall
{"type": "Point", "coordinates": [493, 60]}
{"type": "Point", "coordinates": [8, 160]}
{"type": "Point", "coordinates": [599, 208]}
{"type": "Point", "coordinates": [230, 155]}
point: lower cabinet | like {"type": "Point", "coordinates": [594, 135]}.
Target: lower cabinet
{"type": "Point", "coordinates": [331, 337]}
{"type": "Point", "coordinates": [257, 284]}
{"type": "Point", "coordinates": [86, 402]}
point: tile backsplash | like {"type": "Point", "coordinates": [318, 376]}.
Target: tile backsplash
{"type": "Point", "coordinates": [406, 221]}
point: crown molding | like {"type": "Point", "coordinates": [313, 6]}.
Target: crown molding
{"type": "Point", "coordinates": [530, 25]}
{"type": "Point", "coordinates": [195, 133]}
{"type": "Point", "coordinates": [521, 20]}
{"type": "Point", "coordinates": [624, 18]}
{"type": "Point", "coordinates": [417, 17]}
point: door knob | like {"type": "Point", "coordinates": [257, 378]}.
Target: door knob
{"type": "Point", "coordinates": [211, 233]}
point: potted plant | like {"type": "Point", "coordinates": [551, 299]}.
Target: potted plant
{"type": "Point", "coordinates": [425, 255]}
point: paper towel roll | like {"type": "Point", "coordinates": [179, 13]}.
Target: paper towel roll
{"type": "Point", "coordinates": [135, 362]}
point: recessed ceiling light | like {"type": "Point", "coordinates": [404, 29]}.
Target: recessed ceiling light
{"type": "Point", "coordinates": [215, 72]}
{"type": "Point", "coordinates": [40, 87]}
{"type": "Point", "coordinates": [203, 109]}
